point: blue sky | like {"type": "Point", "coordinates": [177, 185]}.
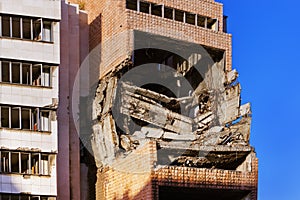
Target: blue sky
{"type": "Point", "coordinates": [266, 42]}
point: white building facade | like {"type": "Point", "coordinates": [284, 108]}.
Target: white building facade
{"type": "Point", "coordinates": [29, 69]}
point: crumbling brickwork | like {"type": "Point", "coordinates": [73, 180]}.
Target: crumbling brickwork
{"type": "Point", "coordinates": [167, 116]}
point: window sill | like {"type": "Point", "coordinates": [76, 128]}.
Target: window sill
{"type": "Point", "coordinates": [25, 130]}
{"type": "Point", "coordinates": [25, 85]}
{"type": "Point", "coordinates": [27, 40]}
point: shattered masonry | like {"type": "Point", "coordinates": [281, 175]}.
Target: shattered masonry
{"type": "Point", "coordinates": [153, 143]}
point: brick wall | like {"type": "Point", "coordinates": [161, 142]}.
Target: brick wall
{"type": "Point", "coordinates": [134, 177]}
{"type": "Point", "coordinates": [129, 177]}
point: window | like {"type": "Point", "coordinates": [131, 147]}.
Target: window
{"type": "Point", "coordinates": [131, 4]}
{"type": "Point", "coordinates": [156, 10]}
{"type": "Point", "coordinates": [35, 157]}
{"type": "Point", "coordinates": [179, 15]}
{"type": "Point", "coordinates": [25, 73]}
{"type": "Point", "coordinates": [5, 117]}
{"type": "Point", "coordinates": [26, 162]}
{"type": "Point", "coordinates": [26, 23]}
{"type": "Point", "coordinates": [25, 197]}
{"type": "Point", "coordinates": [46, 76]}
{"type": "Point", "coordinates": [46, 36]}
{"type": "Point", "coordinates": [25, 118]}
{"type": "Point", "coordinates": [190, 18]}
{"type": "Point", "coordinates": [4, 161]}
{"type": "Point", "coordinates": [15, 164]}
{"type": "Point", "coordinates": [201, 21]}
{"type": "Point", "coordinates": [36, 74]}
{"type": "Point", "coordinates": [16, 72]}
{"type": "Point", "coordinates": [37, 29]}
{"type": "Point", "coordinates": [168, 13]}
{"type": "Point", "coordinates": [45, 125]}
{"type": "Point", "coordinates": [16, 25]}
{"type": "Point", "coordinates": [44, 169]}
{"type": "Point", "coordinates": [5, 25]}
{"type": "Point", "coordinates": [15, 118]}
{"type": "Point", "coordinates": [144, 7]}
{"type": "Point", "coordinates": [5, 69]}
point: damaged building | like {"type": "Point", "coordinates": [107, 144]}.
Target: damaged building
{"type": "Point", "coordinates": [167, 116]}
{"type": "Point", "coordinates": [167, 120]}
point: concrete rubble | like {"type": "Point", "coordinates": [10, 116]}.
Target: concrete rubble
{"type": "Point", "coordinates": [209, 128]}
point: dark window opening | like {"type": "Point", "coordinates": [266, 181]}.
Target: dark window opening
{"type": "Point", "coordinates": [15, 118]}
{"type": "Point", "coordinates": [190, 18]}
{"type": "Point", "coordinates": [156, 10]}
{"type": "Point", "coordinates": [37, 30]}
{"type": "Point", "coordinates": [179, 15]}
{"type": "Point", "coordinates": [36, 75]}
{"type": "Point", "coordinates": [168, 13]}
{"type": "Point", "coordinates": [5, 26]}
{"type": "Point", "coordinates": [35, 163]}
{"type": "Point", "coordinates": [26, 28]}
{"type": "Point", "coordinates": [5, 117]}
{"type": "Point", "coordinates": [212, 24]}
{"type": "Point", "coordinates": [15, 162]}
{"type": "Point", "coordinates": [25, 115]}
{"type": "Point", "coordinates": [201, 21]}
{"type": "Point", "coordinates": [16, 73]}
{"type": "Point", "coordinates": [5, 76]}
{"type": "Point", "coordinates": [131, 4]}
{"type": "Point", "coordinates": [144, 7]}
{"type": "Point", "coordinates": [4, 161]}
{"type": "Point", "coordinates": [16, 32]}
{"type": "Point", "coordinates": [26, 74]}
{"type": "Point", "coordinates": [25, 163]}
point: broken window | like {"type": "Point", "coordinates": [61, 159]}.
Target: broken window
{"type": "Point", "coordinates": [131, 4]}
{"type": "Point", "coordinates": [144, 7]}
{"type": "Point", "coordinates": [168, 13]}
{"type": "Point", "coordinates": [179, 15]}
{"type": "Point", "coordinates": [4, 161]}
{"type": "Point", "coordinates": [190, 18]}
{"type": "Point", "coordinates": [16, 32]}
{"type": "Point", "coordinates": [156, 10]}
{"type": "Point", "coordinates": [15, 164]}
{"type": "Point", "coordinates": [5, 75]}
{"type": "Point", "coordinates": [26, 23]}
{"type": "Point", "coordinates": [47, 27]}
{"type": "Point", "coordinates": [16, 73]}
{"type": "Point", "coordinates": [5, 25]}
